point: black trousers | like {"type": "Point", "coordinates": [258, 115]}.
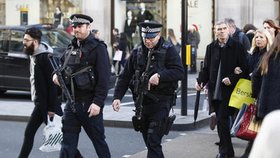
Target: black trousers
{"type": "Point", "coordinates": [33, 125]}
{"type": "Point", "coordinates": [154, 116]}
{"type": "Point", "coordinates": [71, 127]}
{"type": "Point", "coordinates": [223, 111]}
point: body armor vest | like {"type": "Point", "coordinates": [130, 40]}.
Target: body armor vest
{"type": "Point", "coordinates": [157, 64]}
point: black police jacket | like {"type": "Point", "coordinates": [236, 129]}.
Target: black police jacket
{"type": "Point", "coordinates": [171, 72]}
{"type": "Point", "coordinates": [93, 53]}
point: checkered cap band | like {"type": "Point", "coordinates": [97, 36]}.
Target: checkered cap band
{"type": "Point", "coordinates": [80, 20]}
{"type": "Point", "coordinates": [150, 30]}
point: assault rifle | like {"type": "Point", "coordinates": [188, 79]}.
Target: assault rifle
{"type": "Point", "coordinates": [58, 70]}
{"type": "Point", "coordinates": [141, 88]}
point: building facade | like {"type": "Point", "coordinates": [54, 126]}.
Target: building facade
{"type": "Point", "coordinates": [108, 14]}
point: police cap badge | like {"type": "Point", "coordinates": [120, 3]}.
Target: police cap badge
{"type": "Point", "coordinates": [150, 29]}
{"type": "Point", "coordinates": [77, 19]}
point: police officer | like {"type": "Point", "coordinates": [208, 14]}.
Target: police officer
{"type": "Point", "coordinates": [86, 72]}
{"type": "Point", "coordinates": [164, 70]}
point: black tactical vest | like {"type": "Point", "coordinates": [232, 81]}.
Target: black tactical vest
{"type": "Point", "coordinates": [157, 64]}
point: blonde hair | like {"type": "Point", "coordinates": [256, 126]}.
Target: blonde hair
{"type": "Point", "coordinates": [267, 36]}
{"type": "Point", "coordinates": [172, 36]}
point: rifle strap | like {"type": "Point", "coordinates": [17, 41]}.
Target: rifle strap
{"type": "Point", "coordinates": [85, 69]}
{"type": "Point", "coordinates": [67, 58]}
{"type": "Point", "coordinates": [149, 61]}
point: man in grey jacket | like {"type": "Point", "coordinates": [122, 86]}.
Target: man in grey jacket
{"type": "Point", "coordinates": [43, 90]}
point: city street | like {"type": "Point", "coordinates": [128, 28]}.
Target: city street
{"type": "Point", "coordinates": [123, 142]}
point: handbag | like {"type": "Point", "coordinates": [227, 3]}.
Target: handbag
{"type": "Point", "coordinates": [52, 135]}
{"type": "Point", "coordinates": [236, 125]}
{"type": "Point", "coordinates": [241, 94]}
{"type": "Point", "coordinates": [249, 126]}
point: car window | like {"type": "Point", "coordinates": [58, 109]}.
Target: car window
{"type": "Point", "coordinates": [56, 38]}
{"type": "Point", "coordinates": [3, 40]}
{"type": "Point", "coordinates": [16, 44]}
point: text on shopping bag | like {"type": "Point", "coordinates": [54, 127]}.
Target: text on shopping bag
{"type": "Point", "coordinates": [241, 94]}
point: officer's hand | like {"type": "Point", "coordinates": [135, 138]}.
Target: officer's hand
{"type": "Point", "coordinates": [116, 105]}
{"type": "Point", "coordinates": [93, 110]}
{"type": "Point", "coordinates": [154, 80]}
{"type": "Point", "coordinates": [226, 81]}
{"type": "Point", "coordinates": [198, 87]}
{"type": "Point", "coordinates": [237, 71]}
{"type": "Point", "coordinates": [55, 80]}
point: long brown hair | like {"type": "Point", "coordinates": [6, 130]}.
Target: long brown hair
{"type": "Point", "coordinates": [273, 51]}
{"type": "Point", "coordinates": [273, 25]}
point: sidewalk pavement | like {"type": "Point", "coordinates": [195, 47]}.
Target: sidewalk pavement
{"type": "Point", "coordinates": [195, 144]}
{"type": "Point", "coordinates": [20, 111]}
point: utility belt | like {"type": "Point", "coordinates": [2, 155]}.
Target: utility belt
{"type": "Point", "coordinates": [161, 127]}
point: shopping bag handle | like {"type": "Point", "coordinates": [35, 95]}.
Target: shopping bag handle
{"type": "Point", "coordinates": [50, 120]}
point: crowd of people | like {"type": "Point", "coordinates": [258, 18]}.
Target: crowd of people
{"type": "Point", "coordinates": [84, 74]}
{"type": "Point", "coordinates": [250, 53]}
{"type": "Point", "coordinates": [235, 53]}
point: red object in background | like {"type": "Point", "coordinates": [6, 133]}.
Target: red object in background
{"type": "Point", "coordinates": [196, 27]}
{"type": "Point", "coordinates": [69, 29]}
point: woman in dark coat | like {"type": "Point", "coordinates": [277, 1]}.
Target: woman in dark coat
{"type": "Point", "coordinates": [122, 46]}
{"type": "Point", "coordinates": [265, 81]}
{"type": "Point", "coordinates": [261, 42]}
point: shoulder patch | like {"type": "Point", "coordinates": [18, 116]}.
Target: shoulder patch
{"type": "Point", "coordinates": [166, 44]}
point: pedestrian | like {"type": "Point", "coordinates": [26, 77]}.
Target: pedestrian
{"type": "Point", "coordinates": [261, 43]}
{"type": "Point", "coordinates": [193, 39]}
{"type": "Point", "coordinates": [249, 30]}
{"type": "Point", "coordinates": [272, 28]}
{"type": "Point", "coordinates": [122, 46]}
{"type": "Point", "coordinates": [96, 33]}
{"type": "Point", "coordinates": [161, 77]}
{"type": "Point", "coordinates": [115, 44]}
{"type": "Point", "coordinates": [222, 56]}
{"type": "Point", "coordinates": [265, 85]}
{"type": "Point", "coordinates": [86, 72]}
{"type": "Point", "coordinates": [116, 38]}
{"type": "Point", "coordinates": [43, 91]}
{"type": "Point", "coordinates": [237, 34]}
{"type": "Point", "coordinates": [172, 39]}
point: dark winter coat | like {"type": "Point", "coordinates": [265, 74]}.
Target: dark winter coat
{"type": "Point", "coordinates": [233, 55]}
{"type": "Point", "coordinates": [254, 59]}
{"type": "Point", "coordinates": [172, 72]}
{"type": "Point", "coordinates": [266, 88]}
{"type": "Point", "coordinates": [242, 38]}
{"type": "Point", "coordinates": [95, 54]}
{"type": "Point", "coordinates": [44, 91]}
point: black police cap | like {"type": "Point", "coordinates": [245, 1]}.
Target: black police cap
{"type": "Point", "coordinates": [77, 19]}
{"type": "Point", "coordinates": [150, 29]}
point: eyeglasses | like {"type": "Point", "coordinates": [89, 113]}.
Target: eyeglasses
{"type": "Point", "coordinates": [27, 40]}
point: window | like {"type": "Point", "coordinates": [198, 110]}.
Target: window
{"type": "Point", "coordinates": [16, 44]}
